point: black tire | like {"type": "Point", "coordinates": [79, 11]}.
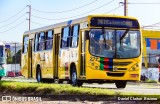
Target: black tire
{"type": "Point", "coordinates": [45, 80]}
{"type": "Point", "coordinates": [0, 78]}
{"type": "Point", "coordinates": [59, 81]}
{"type": "Point", "coordinates": [120, 84]}
{"type": "Point", "coordinates": [38, 75]}
{"type": "Point", "coordinates": [74, 81]}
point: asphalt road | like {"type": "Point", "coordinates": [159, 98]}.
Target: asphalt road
{"type": "Point", "coordinates": [131, 87]}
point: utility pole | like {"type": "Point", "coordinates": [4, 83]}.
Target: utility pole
{"type": "Point", "coordinates": [15, 56]}
{"type": "Point", "coordinates": [125, 7]}
{"type": "Point", "coordinates": [29, 19]}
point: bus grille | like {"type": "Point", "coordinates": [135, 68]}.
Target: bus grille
{"type": "Point", "coordinates": [122, 69]}
{"type": "Point", "coordinates": [115, 74]}
{"type": "Point", "coordinates": [121, 63]}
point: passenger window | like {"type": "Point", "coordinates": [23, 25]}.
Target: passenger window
{"type": "Point", "coordinates": [75, 35]}
{"type": "Point", "coordinates": [49, 40]}
{"type": "Point", "coordinates": [41, 42]}
{"type": "Point", "coordinates": [25, 44]}
{"type": "Point", "coordinates": [65, 40]}
{"type": "Point", "coordinates": [36, 42]}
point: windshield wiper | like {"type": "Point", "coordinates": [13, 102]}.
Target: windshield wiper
{"type": "Point", "coordinates": [104, 39]}
{"type": "Point", "coordinates": [122, 37]}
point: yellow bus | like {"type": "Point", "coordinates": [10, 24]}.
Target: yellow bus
{"type": "Point", "coordinates": [95, 48]}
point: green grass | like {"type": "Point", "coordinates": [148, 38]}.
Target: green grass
{"type": "Point", "coordinates": [151, 81]}
{"type": "Point", "coordinates": [57, 89]}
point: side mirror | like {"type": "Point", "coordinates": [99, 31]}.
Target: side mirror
{"type": "Point", "coordinates": [87, 35]}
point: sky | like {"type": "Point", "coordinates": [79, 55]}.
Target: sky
{"type": "Point", "coordinates": [13, 13]}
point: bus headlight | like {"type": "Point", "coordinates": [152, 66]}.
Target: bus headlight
{"type": "Point", "coordinates": [115, 69]}
{"type": "Point", "coordinates": [135, 67]}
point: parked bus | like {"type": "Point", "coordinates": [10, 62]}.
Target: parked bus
{"type": "Point", "coordinates": [95, 48]}
{"type": "Point", "coordinates": [2, 60]}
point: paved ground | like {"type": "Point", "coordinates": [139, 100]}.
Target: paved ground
{"type": "Point", "coordinates": [141, 88]}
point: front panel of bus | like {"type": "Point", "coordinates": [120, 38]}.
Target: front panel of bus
{"type": "Point", "coordinates": [113, 50]}
{"type": "Point", "coordinates": [2, 61]}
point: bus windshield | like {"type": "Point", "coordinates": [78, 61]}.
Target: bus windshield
{"type": "Point", "coordinates": [2, 55]}
{"type": "Point", "coordinates": [114, 43]}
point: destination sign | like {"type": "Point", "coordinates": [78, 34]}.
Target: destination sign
{"type": "Point", "coordinates": [114, 22]}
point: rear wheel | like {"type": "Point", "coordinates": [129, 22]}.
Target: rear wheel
{"type": "Point", "coordinates": [59, 81]}
{"type": "Point", "coordinates": [120, 84]}
{"type": "Point", "coordinates": [74, 80]}
{"type": "Point", "coordinates": [38, 76]}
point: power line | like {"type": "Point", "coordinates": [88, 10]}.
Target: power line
{"type": "Point", "coordinates": [13, 27]}
{"type": "Point", "coordinates": [37, 23]}
{"type": "Point", "coordinates": [152, 25]}
{"type": "Point", "coordinates": [13, 21]}
{"type": "Point", "coordinates": [12, 16]}
{"type": "Point", "coordinates": [69, 10]}
{"type": "Point", "coordinates": [74, 16]}
{"type": "Point", "coordinates": [143, 3]}
{"type": "Point", "coordinates": [114, 9]}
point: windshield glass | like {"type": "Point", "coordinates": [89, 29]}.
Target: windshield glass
{"type": "Point", "coordinates": [2, 55]}
{"type": "Point", "coordinates": [115, 43]}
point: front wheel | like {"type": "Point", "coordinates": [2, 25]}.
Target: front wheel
{"type": "Point", "coordinates": [120, 84]}
{"type": "Point", "coordinates": [38, 76]}
{"type": "Point", "coordinates": [74, 80]}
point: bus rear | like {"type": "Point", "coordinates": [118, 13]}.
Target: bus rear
{"type": "Point", "coordinates": [113, 50]}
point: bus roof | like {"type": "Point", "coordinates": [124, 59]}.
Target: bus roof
{"type": "Point", "coordinates": [78, 20]}
{"type": "Point", "coordinates": [1, 43]}
{"type": "Point", "coordinates": [56, 25]}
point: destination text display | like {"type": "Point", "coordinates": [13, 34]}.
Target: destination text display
{"type": "Point", "coordinates": [114, 22]}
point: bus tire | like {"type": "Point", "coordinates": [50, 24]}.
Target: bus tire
{"type": "Point", "coordinates": [120, 84]}
{"type": "Point", "coordinates": [38, 75]}
{"type": "Point", "coordinates": [59, 81]}
{"type": "Point", "coordinates": [0, 78]}
{"type": "Point", "coordinates": [74, 80]}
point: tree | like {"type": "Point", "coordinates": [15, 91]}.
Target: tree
{"type": "Point", "coordinates": [9, 58]}
{"type": "Point", "coordinates": [17, 56]}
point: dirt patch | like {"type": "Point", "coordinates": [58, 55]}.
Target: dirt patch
{"type": "Point", "coordinates": [65, 99]}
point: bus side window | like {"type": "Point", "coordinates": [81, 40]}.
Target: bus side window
{"type": "Point", "coordinates": [36, 42]}
{"type": "Point", "coordinates": [41, 43]}
{"type": "Point", "coordinates": [65, 40]}
{"type": "Point", "coordinates": [49, 39]}
{"type": "Point", "coordinates": [75, 36]}
{"type": "Point", "coordinates": [25, 44]}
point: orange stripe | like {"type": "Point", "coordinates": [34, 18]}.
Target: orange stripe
{"type": "Point", "coordinates": [153, 44]}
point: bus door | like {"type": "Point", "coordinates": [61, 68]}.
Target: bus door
{"type": "Point", "coordinates": [56, 59]}
{"type": "Point", "coordinates": [30, 58]}
{"type": "Point", "coordinates": [82, 52]}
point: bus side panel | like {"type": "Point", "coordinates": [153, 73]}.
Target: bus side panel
{"type": "Point", "coordinates": [37, 60]}
{"type": "Point", "coordinates": [63, 64]}
{"type": "Point", "coordinates": [34, 64]}
{"type": "Point", "coordinates": [48, 65]}
{"type": "Point", "coordinates": [24, 65]}
{"type": "Point", "coordinates": [74, 59]}
{"type": "Point", "coordinates": [67, 57]}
